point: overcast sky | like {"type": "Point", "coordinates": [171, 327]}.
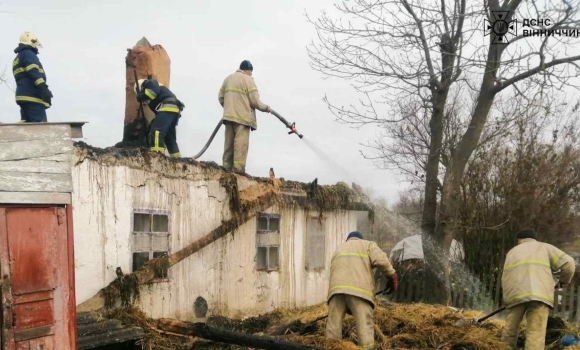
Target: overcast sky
{"type": "Point", "coordinates": [84, 47]}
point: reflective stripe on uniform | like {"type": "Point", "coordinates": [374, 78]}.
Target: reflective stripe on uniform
{"type": "Point", "coordinates": [18, 71]}
{"type": "Point", "coordinates": [241, 91]}
{"type": "Point", "coordinates": [522, 296]}
{"type": "Point", "coordinates": [169, 109]}
{"type": "Point", "coordinates": [244, 119]}
{"type": "Point", "coordinates": [557, 258]}
{"type": "Point", "coordinates": [39, 81]}
{"type": "Point", "coordinates": [527, 262]}
{"type": "Point", "coordinates": [31, 99]}
{"type": "Point", "coordinates": [239, 161]}
{"type": "Point", "coordinates": [352, 288]}
{"type": "Point", "coordinates": [150, 93]}
{"type": "Point", "coordinates": [15, 62]}
{"type": "Point", "coordinates": [156, 147]}
{"type": "Point", "coordinates": [367, 346]}
{"type": "Point", "coordinates": [41, 70]}
{"type": "Point", "coordinates": [31, 67]}
{"type": "Point", "coordinates": [175, 155]}
{"type": "Point", "coordinates": [360, 255]}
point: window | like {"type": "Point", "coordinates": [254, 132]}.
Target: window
{"type": "Point", "coordinates": [150, 236]}
{"type": "Point", "coordinates": [268, 242]}
{"type": "Point", "coordinates": [315, 243]}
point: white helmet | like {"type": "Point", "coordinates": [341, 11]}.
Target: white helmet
{"type": "Point", "coordinates": [30, 39]}
{"type": "Point", "coordinates": [139, 85]}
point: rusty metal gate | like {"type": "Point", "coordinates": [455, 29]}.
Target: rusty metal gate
{"type": "Point", "coordinates": [36, 252]}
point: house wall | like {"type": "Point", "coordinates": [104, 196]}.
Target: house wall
{"type": "Point", "coordinates": [224, 273]}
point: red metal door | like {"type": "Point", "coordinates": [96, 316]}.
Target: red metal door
{"type": "Point", "coordinates": [35, 272]}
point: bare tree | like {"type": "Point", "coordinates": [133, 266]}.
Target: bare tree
{"type": "Point", "coordinates": [410, 54]}
{"type": "Point", "coordinates": [529, 177]}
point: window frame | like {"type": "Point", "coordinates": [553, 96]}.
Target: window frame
{"type": "Point", "coordinates": [268, 231]}
{"type": "Point", "coordinates": [151, 233]}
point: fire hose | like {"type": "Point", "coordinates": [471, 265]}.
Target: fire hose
{"type": "Point", "coordinates": [292, 128]}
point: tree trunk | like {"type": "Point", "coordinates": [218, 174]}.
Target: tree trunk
{"type": "Point", "coordinates": [446, 226]}
{"type": "Point", "coordinates": [429, 217]}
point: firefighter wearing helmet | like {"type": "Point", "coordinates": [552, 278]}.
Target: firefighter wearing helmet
{"type": "Point", "coordinates": [167, 109]}
{"type": "Point", "coordinates": [32, 93]}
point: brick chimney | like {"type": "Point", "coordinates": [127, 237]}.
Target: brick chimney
{"type": "Point", "coordinates": [147, 59]}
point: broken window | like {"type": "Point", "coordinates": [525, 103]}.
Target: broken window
{"type": "Point", "coordinates": [268, 241]}
{"type": "Point", "coordinates": [315, 243]}
{"type": "Point", "coordinates": [150, 236]}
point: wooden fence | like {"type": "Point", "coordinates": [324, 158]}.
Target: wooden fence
{"type": "Point", "coordinates": [481, 293]}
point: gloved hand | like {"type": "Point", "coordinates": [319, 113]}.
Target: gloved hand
{"type": "Point", "coordinates": [141, 97]}
{"type": "Point", "coordinates": [393, 283]}
{"type": "Point", "coordinates": [45, 93]}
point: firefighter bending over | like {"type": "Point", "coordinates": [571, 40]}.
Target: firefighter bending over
{"type": "Point", "coordinates": [352, 287]}
{"type": "Point", "coordinates": [528, 287]}
{"type": "Point", "coordinates": [167, 109]}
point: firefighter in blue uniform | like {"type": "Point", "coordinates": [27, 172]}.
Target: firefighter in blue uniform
{"type": "Point", "coordinates": [167, 110]}
{"type": "Point", "coordinates": [32, 93]}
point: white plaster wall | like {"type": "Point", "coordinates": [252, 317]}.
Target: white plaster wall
{"type": "Point", "coordinates": [224, 273]}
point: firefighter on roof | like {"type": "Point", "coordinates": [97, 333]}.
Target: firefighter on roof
{"type": "Point", "coordinates": [32, 93]}
{"type": "Point", "coordinates": [167, 110]}
{"type": "Point", "coordinates": [240, 98]}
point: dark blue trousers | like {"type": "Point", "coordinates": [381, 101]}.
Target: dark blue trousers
{"type": "Point", "coordinates": [32, 112]}
{"type": "Point", "coordinates": [163, 133]}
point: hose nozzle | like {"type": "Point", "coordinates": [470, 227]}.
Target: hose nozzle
{"type": "Point", "coordinates": [294, 131]}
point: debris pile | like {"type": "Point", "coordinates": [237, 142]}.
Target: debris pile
{"type": "Point", "coordinates": [397, 326]}
{"type": "Point", "coordinates": [153, 339]}
{"type": "Point", "coordinates": [406, 326]}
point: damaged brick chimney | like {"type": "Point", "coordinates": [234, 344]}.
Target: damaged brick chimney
{"type": "Point", "coordinates": [147, 60]}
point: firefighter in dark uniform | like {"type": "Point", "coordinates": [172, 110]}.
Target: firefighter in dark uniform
{"type": "Point", "coordinates": [167, 109]}
{"type": "Point", "coordinates": [32, 93]}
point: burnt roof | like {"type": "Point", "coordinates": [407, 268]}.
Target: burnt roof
{"type": "Point", "coordinates": [308, 195]}
{"type": "Point", "coordinates": [94, 331]}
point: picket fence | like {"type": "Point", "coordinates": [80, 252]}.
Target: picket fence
{"type": "Point", "coordinates": [484, 294]}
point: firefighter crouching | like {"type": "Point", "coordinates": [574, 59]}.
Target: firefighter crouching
{"type": "Point", "coordinates": [352, 287]}
{"type": "Point", "coordinates": [167, 109]}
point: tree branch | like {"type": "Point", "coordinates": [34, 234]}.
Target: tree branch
{"type": "Point", "coordinates": [504, 84]}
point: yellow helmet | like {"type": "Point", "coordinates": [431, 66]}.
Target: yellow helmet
{"type": "Point", "coordinates": [139, 85]}
{"type": "Point", "coordinates": [30, 39]}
